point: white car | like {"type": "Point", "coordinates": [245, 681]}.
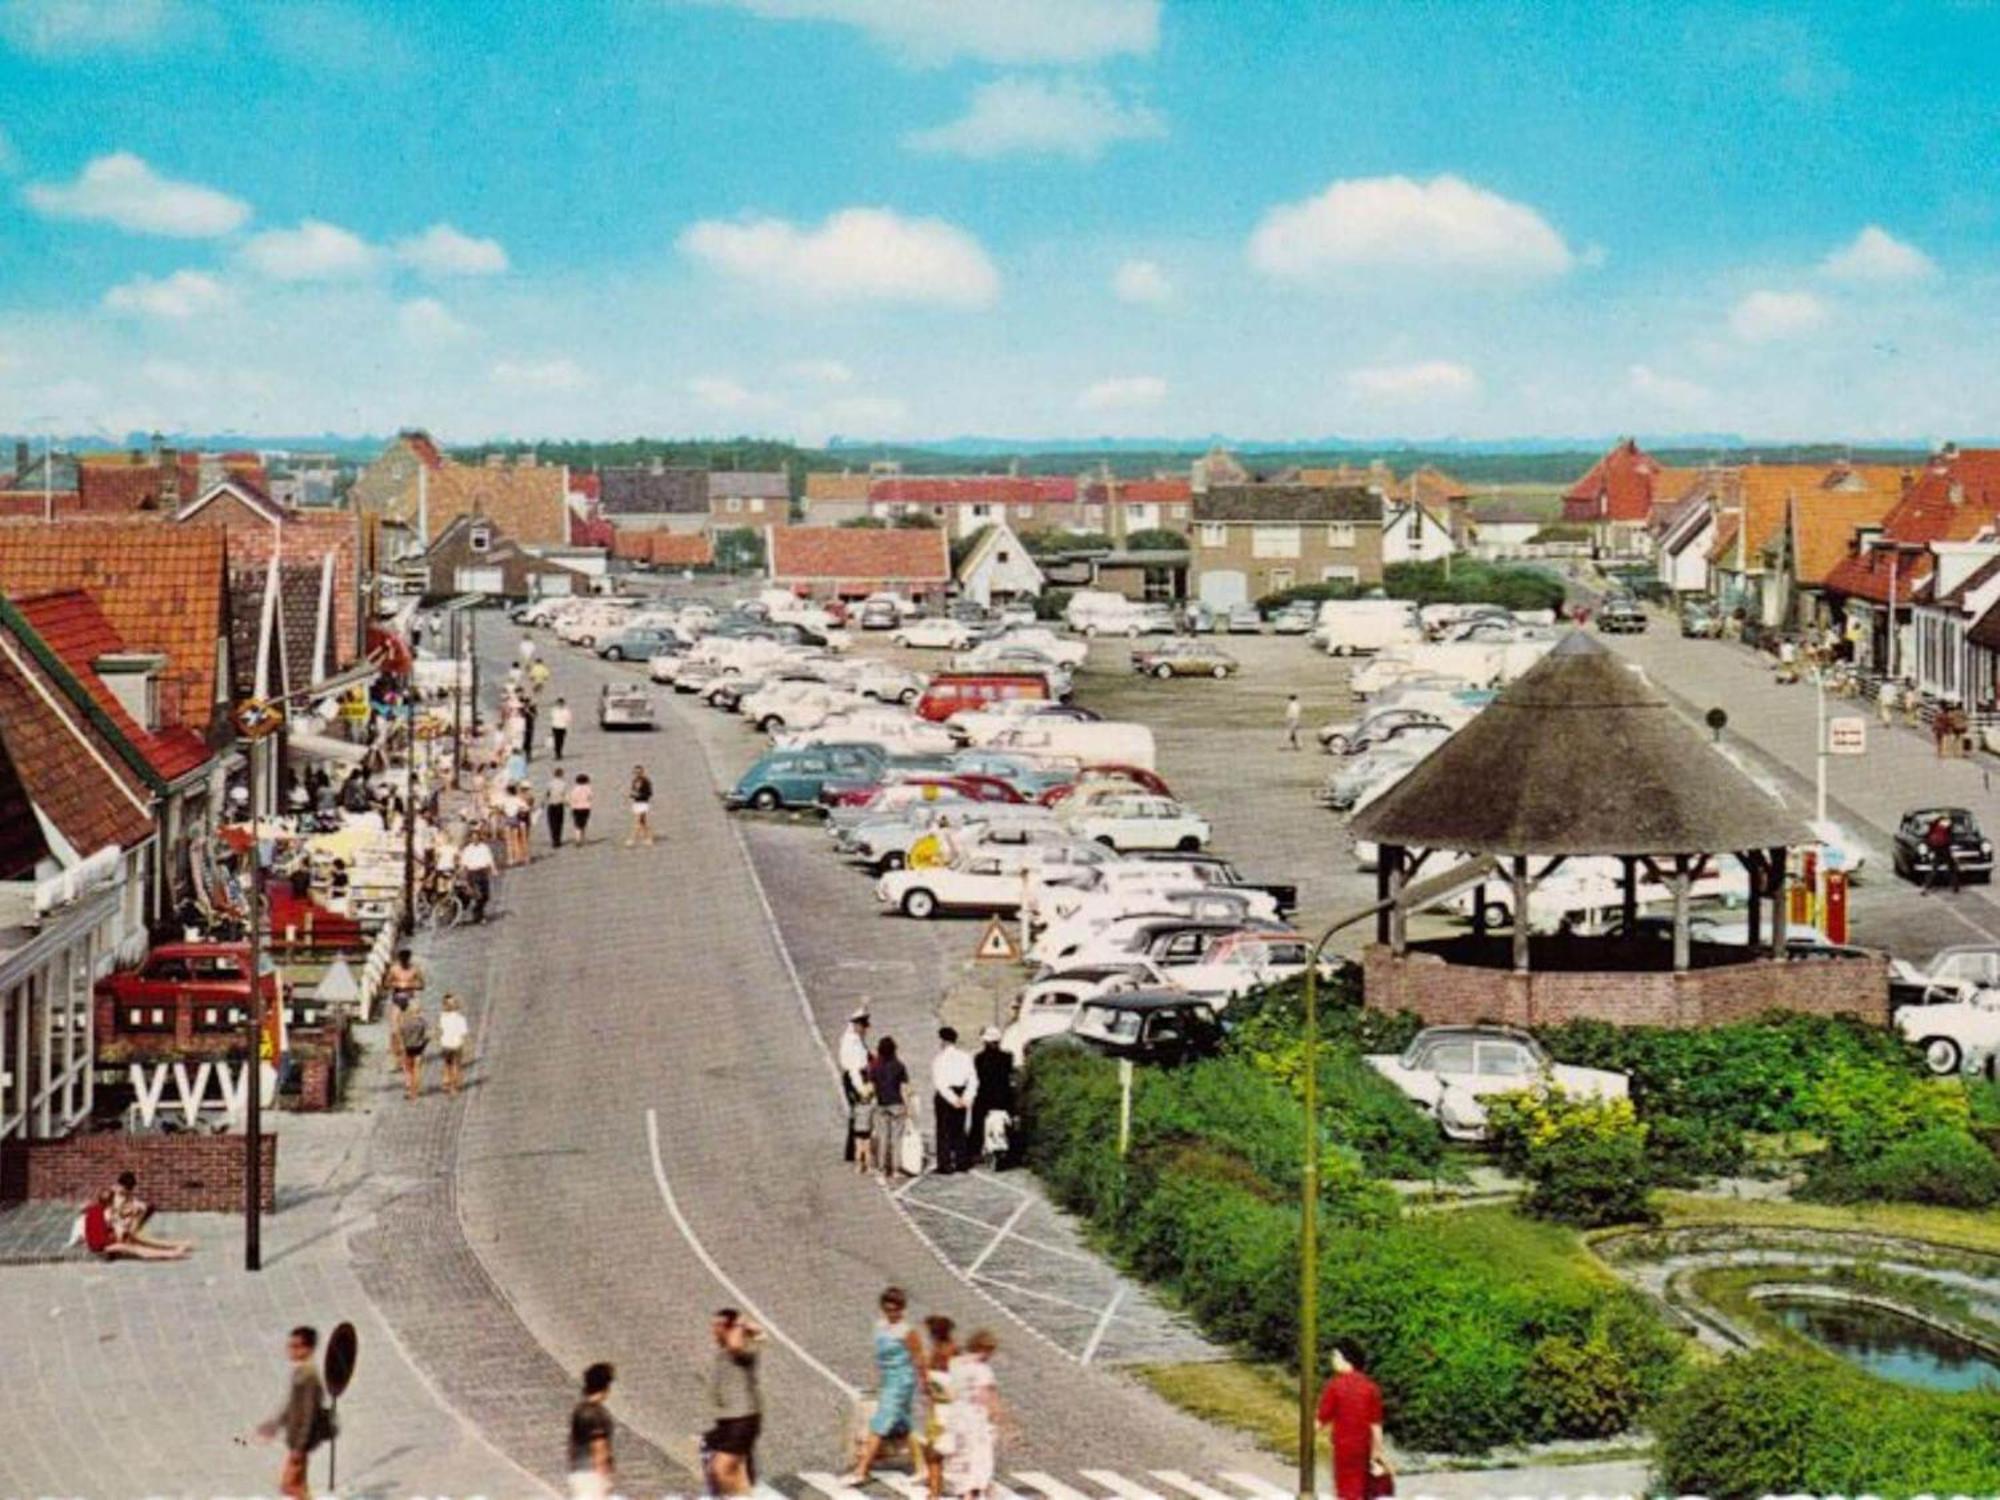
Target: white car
{"type": "Point", "coordinates": [933, 633]}
{"type": "Point", "coordinates": [1450, 1071]}
{"type": "Point", "coordinates": [1954, 1035]}
{"type": "Point", "coordinates": [1141, 821]}
{"type": "Point", "coordinates": [1064, 653]}
{"type": "Point", "coordinates": [1243, 962]}
{"type": "Point", "coordinates": [982, 882]}
{"type": "Point", "coordinates": [888, 684]}
{"type": "Point", "coordinates": [1048, 1005]}
{"type": "Point", "coordinates": [939, 832]}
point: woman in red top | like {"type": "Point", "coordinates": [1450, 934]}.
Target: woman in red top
{"type": "Point", "coordinates": [102, 1239]}
{"type": "Point", "coordinates": [1350, 1408]}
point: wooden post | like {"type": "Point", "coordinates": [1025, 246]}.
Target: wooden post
{"type": "Point", "coordinates": [1680, 913]}
{"type": "Point", "coordinates": [1386, 856]}
{"type": "Point", "coordinates": [1628, 900]}
{"type": "Point", "coordinates": [1753, 861]}
{"type": "Point", "coordinates": [1398, 921]}
{"type": "Point", "coordinates": [1520, 914]}
{"type": "Point", "coordinates": [1778, 914]}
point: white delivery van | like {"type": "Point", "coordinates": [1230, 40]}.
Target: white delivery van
{"type": "Point", "coordinates": [1065, 742]}
{"type": "Point", "coordinates": [1100, 612]}
{"type": "Point", "coordinates": [1352, 627]}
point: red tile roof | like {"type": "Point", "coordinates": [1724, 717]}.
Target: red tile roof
{"type": "Point", "coordinates": [585, 484]}
{"type": "Point", "coordinates": [1954, 499]}
{"type": "Point", "coordinates": [1139, 491]}
{"type": "Point", "coordinates": [75, 629]}
{"type": "Point", "coordinates": [833, 553]}
{"type": "Point", "coordinates": [663, 549]}
{"type": "Point", "coordinates": [160, 585]}
{"type": "Point", "coordinates": [301, 537]}
{"type": "Point", "coordinates": [117, 486]}
{"type": "Point", "coordinates": [975, 489]}
{"type": "Point", "coordinates": [33, 503]}
{"type": "Point", "coordinates": [1618, 487]}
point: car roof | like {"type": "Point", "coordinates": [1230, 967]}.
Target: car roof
{"type": "Point", "coordinates": [1488, 1032]}
{"type": "Point", "coordinates": [1158, 999]}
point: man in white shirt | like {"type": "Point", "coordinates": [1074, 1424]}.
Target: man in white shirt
{"type": "Point", "coordinates": [559, 726]}
{"type": "Point", "coordinates": [854, 1058]}
{"type": "Point", "coordinates": [476, 860]}
{"type": "Point", "coordinates": [954, 1085]}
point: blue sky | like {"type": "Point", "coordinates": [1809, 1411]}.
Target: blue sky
{"type": "Point", "coordinates": [908, 218]}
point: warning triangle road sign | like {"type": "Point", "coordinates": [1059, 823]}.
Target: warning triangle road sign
{"type": "Point", "coordinates": [995, 944]}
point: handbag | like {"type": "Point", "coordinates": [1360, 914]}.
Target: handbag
{"type": "Point", "coordinates": [910, 1150]}
{"type": "Point", "coordinates": [1381, 1483]}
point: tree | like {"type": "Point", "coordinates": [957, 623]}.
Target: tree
{"type": "Point", "coordinates": [916, 520]}
{"type": "Point", "coordinates": [739, 550]}
{"type": "Point", "coordinates": [1158, 539]}
{"type": "Point", "coordinates": [865, 523]}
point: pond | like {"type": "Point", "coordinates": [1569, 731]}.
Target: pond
{"type": "Point", "coordinates": [1888, 1344]}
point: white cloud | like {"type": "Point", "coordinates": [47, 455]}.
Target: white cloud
{"type": "Point", "coordinates": [1444, 225]}
{"type": "Point", "coordinates": [935, 32]}
{"type": "Point", "coordinates": [1763, 316]}
{"type": "Point", "coordinates": [561, 374]}
{"type": "Point", "coordinates": [425, 320]}
{"type": "Point", "coordinates": [122, 189]}
{"type": "Point", "coordinates": [52, 27]}
{"type": "Point", "coordinates": [720, 393]}
{"type": "Point", "coordinates": [315, 251]}
{"type": "Point", "coordinates": [820, 371]}
{"type": "Point", "coordinates": [1426, 380]}
{"type": "Point", "coordinates": [1670, 392]}
{"type": "Point", "coordinates": [1876, 255]}
{"type": "Point", "coordinates": [442, 250]}
{"type": "Point", "coordinates": [858, 254]}
{"type": "Point", "coordinates": [1123, 393]}
{"type": "Point", "coordinates": [184, 294]}
{"type": "Point", "coordinates": [1073, 117]}
{"type": "Point", "coordinates": [1141, 281]}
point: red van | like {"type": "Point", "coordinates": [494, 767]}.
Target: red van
{"type": "Point", "coordinates": [964, 692]}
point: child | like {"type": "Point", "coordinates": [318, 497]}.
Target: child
{"type": "Point", "coordinates": [864, 1131]}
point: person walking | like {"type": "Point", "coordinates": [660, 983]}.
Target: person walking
{"type": "Point", "coordinates": [735, 1404]}
{"type": "Point", "coordinates": [854, 1086]}
{"type": "Point", "coordinates": [579, 806]}
{"type": "Point", "coordinates": [940, 1422]}
{"type": "Point", "coordinates": [559, 722]}
{"type": "Point", "coordinates": [529, 713]}
{"type": "Point", "coordinates": [475, 860]}
{"type": "Point", "coordinates": [993, 1070]}
{"type": "Point", "coordinates": [301, 1422]}
{"type": "Point", "coordinates": [1293, 713]}
{"type": "Point", "coordinates": [898, 1354]}
{"type": "Point", "coordinates": [1350, 1409]}
{"type": "Point", "coordinates": [416, 1032]}
{"type": "Point", "coordinates": [592, 1470]}
{"type": "Point", "coordinates": [641, 796]}
{"type": "Point", "coordinates": [405, 983]}
{"type": "Point", "coordinates": [555, 804]}
{"type": "Point", "coordinates": [453, 1030]}
{"type": "Point", "coordinates": [891, 1080]}
{"type": "Point", "coordinates": [975, 1407]}
{"type": "Point", "coordinates": [954, 1087]}
{"type": "Point", "coordinates": [1944, 854]}
{"type": "Point", "coordinates": [538, 676]}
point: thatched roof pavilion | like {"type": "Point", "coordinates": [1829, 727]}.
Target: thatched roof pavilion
{"type": "Point", "coordinates": [1583, 756]}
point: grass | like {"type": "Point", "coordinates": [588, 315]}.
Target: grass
{"type": "Point", "coordinates": [1539, 1254]}
{"type": "Point", "coordinates": [1959, 1228]}
{"type": "Point", "coordinates": [1258, 1400]}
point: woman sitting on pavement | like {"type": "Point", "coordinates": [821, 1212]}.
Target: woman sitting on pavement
{"type": "Point", "coordinates": [105, 1238]}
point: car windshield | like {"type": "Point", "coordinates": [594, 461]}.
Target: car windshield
{"type": "Point", "coordinates": [1108, 1024]}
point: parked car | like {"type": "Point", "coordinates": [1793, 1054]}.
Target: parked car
{"type": "Point", "coordinates": [1381, 726]}
{"type": "Point", "coordinates": [1142, 821]}
{"type": "Point", "coordinates": [1700, 619]}
{"type": "Point", "coordinates": [211, 977]}
{"type": "Point", "coordinates": [1047, 1006]}
{"type": "Point", "coordinates": [981, 883]}
{"type": "Point", "coordinates": [624, 705]}
{"type": "Point", "coordinates": [1245, 619]}
{"type": "Point", "coordinates": [1914, 857]}
{"type": "Point", "coordinates": [1162, 1027]}
{"type": "Point", "coordinates": [1955, 973]}
{"type": "Point", "coordinates": [878, 614]}
{"type": "Point", "coordinates": [1243, 962]}
{"type": "Point", "coordinates": [1294, 619]}
{"type": "Point", "coordinates": [1184, 659]}
{"type": "Point", "coordinates": [959, 692]}
{"type": "Point", "coordinates": [1450, 1071]}
{"type": "Point", "coordinates": [1199, 619]}
{"type": "Point", "coordinates": [793, 778]}
{"type": "Point", "coordinates": [1954, 1035]}
{"type": "Point", "coordinates": [934, 633]}
{"type": "Point", "coordinates": [1214, 870]}
{"type": "Point", "coordinates": [1621, 616]}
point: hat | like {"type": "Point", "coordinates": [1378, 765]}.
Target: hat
{"type": "Point", "coordinates": [860, 1014]}
{"type": "Point", "coordinates": [990, 1034]}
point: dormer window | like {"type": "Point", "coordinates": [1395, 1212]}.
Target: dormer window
{"type": "Point", "coordinates": [481, 539]}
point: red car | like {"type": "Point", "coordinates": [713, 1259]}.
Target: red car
{"type": "Point", "coordinates": [966, 784]}
{"type": "Point", "coordinates": [184, 997]}
{"type": "Point", "coordinates": [1138, 776]}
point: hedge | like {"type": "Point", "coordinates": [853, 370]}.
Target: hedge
{"type": "Point", "coordinates": [1482, 1329]}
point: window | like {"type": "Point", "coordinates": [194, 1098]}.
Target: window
{"type": "Point", "coordinates": [1452, 1056]}
{"type": "Point", "coordinates": [756, 506]}
{"type": "Point", "coordinates": [1281, 579]}
{"type": "Point", "coordinates": [733, 504]}
{"type": "Point", "coordinates": [1214, 535]}
{"type": "Point", "coordinates": [1178, 512]}
{"type": "Point", "coordinates": [981, 512]}
{"type": "Point", "coordinates": [1340, 573]}
{"type": "Point", "coordinates": [481, 539]}
{"type": "Point", "coordinates": [1003, 557]}
{"type": "Point", "coordinates": [1340, 534]}
{"type": "Point", "coordinates": [1274, 541]}
{"type": "Point", "coordinates": [1024, 512]}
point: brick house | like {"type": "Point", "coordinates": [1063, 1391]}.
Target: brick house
{"type": "Point", "coordinates": [663, 549]}
{"type": "Point", "coordinates": [1616, 496]}
{"type": "Point", "coordinates": [649, 497]}
{"type": "Point", "coordinates": [843, 562]}
{"type": "Point", "coordinates": [962, 503]}
{"type": "Point", "coordinates": [473, 555]}
{"type": "Point", "coordinates": [1253, 540]}
{"type": "Point", "coordinates": [748, 498]}
{"type": "Point", "coordinates": [1122, 508]}
{"type": "Point", "coordinates": [833, 499]}
{"type": "Point", "coordinates": [412, 491]}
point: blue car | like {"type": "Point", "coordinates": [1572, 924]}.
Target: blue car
{"type": "Point", "coordinates": [1023, 775]}
{"type": "Point", "coordinates": [793, 778]}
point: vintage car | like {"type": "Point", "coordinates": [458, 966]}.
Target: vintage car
{"type": "Point", "coordinates": [1140, 820]}
{"type": "Point", "coordinates": [1245, 961]}
{"type": "Point", "coordinates": [1382, 726]}
{"type": "Point", "coordinates": [1294, 619]}
{"type": "Point", "coordinates": [640, 643]}
{"type": "Point", "coordinates": [1621, 616]}
{"type": "Point", "coordinates": [1184, 658]}
{"type": "Point", "coordinates": [1047, 1006]}
{"type": "Point", "coordinates": [1142, 1026]}
{"type": "Point", "coordinates": [934, 633]}
{"type": "Point", "coordinates": [1245, 619]}
{"type": "Point", "coordinates": [185, 996]}
{"type": "Point", "coordinates": [1450, 1071]}
{"type": "Point", "coordinates": [1954, 1035]}
{"type": "Point", "coordinates": [624, 705]}
{"type": "Point", "coordinates": [794, 778]}
{"type": "Point", "coordinates": [1971, 849]}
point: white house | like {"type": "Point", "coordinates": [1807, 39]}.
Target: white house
{"type": "Point", "coordinates": [998, 568]}
{"type": "Point", "coordinates": [1965, 587]}
{"type": "Point", "coordinates": [1684, 548]}
{"type": "Point", "coordinates": [1414, 533]}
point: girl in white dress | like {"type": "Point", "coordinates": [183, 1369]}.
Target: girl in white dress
{"type": "Point", "coordinates": [975, 1418]}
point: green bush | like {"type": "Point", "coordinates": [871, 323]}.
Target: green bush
{"type": "Point", "coordinates": [1939, 1164]}
{"type": "Point", "coordinates": [1585, 1159]}
{"type": "Point", "coordinates": [1050, 603]}
{"type": "Point", "coordinates": [1772, 1423]}
{"type": "Point", "coordinates": [1465, 581]}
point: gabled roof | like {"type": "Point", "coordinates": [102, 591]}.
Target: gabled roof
{"type": "Point", "coordinates": [891, 554]}
{"type": "Point", "coordinates": [118, 484]}
{"type": "Point", "coordinates": [308, 539]}
{"type": "Point", "coordinates": [646, 491]}
{"type": "Point", "coordinates": [1823, 527]}
{"type": "Point", "coordinates": [252, 499]}
{"type": "Point", "coordinates": [1286, 503]}
{"type": "Point", "coordinates": [1138, 491]}
{"type": "Point", "coordinates": [1581, 754]}
{"type": "Point", "coordinates": [1618, 487]}
{"type": "Point", "coordinates": [750, 484]}
{"type": "Point", "coordinates": [974, 489]}
{"type": "Point", "coordinates": [990, 540]}
{"type": "Point", "coordinates": [160, 586]}
{"type": "Point", "coordinates": [1430, 486]}
{"type": "Point", "coordinates": [1974, 581]}
{"type": "Point", "coordinates": [528, 502]}
{"type": "Point", "coordinates": [824, 484]}
{"type": "Point", "coordinates": [1954, 499]}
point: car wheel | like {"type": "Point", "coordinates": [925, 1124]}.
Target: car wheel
{"type": "Point", "coordinates": [1090, 632]}
{"type": "Point", "coordinates": [1942, 1055]}
{"type": "Point", "coordinates": [613, 653]}
{"type": "Point", "coordinates": [1336, 744]}
{"type": "Point", "coordinates": [920, 904]}
{"type": "Point", "coordinates": [1107, 841]}
{"type": "Point", "coordinates": [1188, 844]}
{"type": "Point", "coordinates": [770, 722]}
{"type": "Point", "coordinates": [893, 860]}
{"type": "Point", "coordinates": [1219, 672]}
{"type": "Point", "coordinates": [1498, 914]}
{"type": "Point", "coordinates": [1163, 671]}
{"type": "Point", "coordinates": [766, 799]}
{"type": "Point", "coordinates": [907, 696]}
{"type": "Point", "coordinates": [1339, 651]}
{"type": "Point", "coordinates": [588, 642]}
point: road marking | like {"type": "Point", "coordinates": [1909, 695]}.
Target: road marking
{"type": "Point", "coordinates": [709, 1263]}
{"type": "Point", "coordinates": [1256, 1486]}
{"type": "Point", "coordinates": [826, 1484]}
{"type": "Point", "coordinates": [1193, 1487]}
{"type": "Point", "coordinates": [907, 1485]}
{"type": "Point", "coordinates": [999, 1235]}
{"type": "Point", "coordinates": [1048, 1485]}
{"type": "Point", "coordinates": [1103, 1324]}
{"type": "Point", "coordinates": [1025, 1239]}
{"type": "Point", "coordinates": [1120, 1486]}
{"type": "Point", "coordinates": [987, 1279]}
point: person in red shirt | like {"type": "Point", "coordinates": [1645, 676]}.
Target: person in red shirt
{"type": "Point", "coordinates": [102, 1237]}
{"type": "Point", "coordinates": [1350, 1408]}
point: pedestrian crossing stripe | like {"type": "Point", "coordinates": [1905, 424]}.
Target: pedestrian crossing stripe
{"type": "Point", "coordinates": [1032, 1484]}
{"type": "Point", "coordinates": [995, 943]}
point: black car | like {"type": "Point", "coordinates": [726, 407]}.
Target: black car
{"type": "Point", "coordinates": [1915, 858]}
{"type": "Point", "coordinates": [1141, 1026]}
{"type": "Point", "coordinates": [1621, 617]}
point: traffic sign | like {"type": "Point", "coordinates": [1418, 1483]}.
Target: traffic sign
{"type": "Point", "coordinates": [995, 946]}
{"type": "Point", "coordinates": [341, 1350]}
{"type": "Point", "coordinates": [1847, 736]}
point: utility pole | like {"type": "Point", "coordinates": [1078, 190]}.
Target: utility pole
{"type": "Point", "coordinates": [457, 698]}
{"type": "Point", "coordinates": [253, 1126]}
{"type": "Point", "coordinates": [409, 707]}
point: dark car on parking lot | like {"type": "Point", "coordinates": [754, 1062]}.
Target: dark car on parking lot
{"type": "Point", "coordinates": [1915, 858]}
{"type": "Point", "coordinates": [1142, 1026]}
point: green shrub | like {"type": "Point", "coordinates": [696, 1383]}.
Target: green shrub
{"type": "Point", "coordinates": [1584, 1158]}
{"type": "Point", "coordinates": [1467, 581]}
{"type": "Point", "coordinates": [1050, 603]}
{"type": "Point", "coordinates": [1772, 1423]}
{"type": "Point", "coordinates": [1940, 1164]}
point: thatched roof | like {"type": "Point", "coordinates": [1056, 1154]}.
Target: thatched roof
{"type": "Point", "coordinates": [1581, 755]}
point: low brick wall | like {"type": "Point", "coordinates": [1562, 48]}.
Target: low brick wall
{"type": "Point", "coordinates": [177, 1173]}
{"type": "Point", "coordinates": [1457, 994]}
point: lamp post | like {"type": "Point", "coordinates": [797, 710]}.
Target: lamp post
{"type": "Point", "coordinates": [409, 707]}
{"type": "Point", "coordinates": [253, 1118]}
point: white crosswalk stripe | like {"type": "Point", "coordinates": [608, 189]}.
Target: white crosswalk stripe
{"type": "Point", "coordinates": [1194, 1487]}
{"type": "Point", "coordinates": [1119, 1485]}
{"type": "Point", "coordinates": [1262, 1488]}
{"type": "Point", "coordinates": [1048, 1486]}
{"type": "Point", "coordinates": [830, 1485]}
{"type": "Point", "coordinates": [1106, 1484]}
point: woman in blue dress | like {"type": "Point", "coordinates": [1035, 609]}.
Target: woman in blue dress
{"type": "Point", "coordinates": [898, 1353]}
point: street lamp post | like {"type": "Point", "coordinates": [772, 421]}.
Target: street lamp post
{"type": "Point", "coordinates": [409, 706]}
{"type": "Point", "coordinates": [253, 1118]}
{"type": "Point", "coordinates": [1309, 1233]}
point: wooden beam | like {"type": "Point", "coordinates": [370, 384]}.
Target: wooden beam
{"type": "Point", "coordinates": [1680, 885]}
{"type": "Point", "coordinates": [1778, 913]}
{"type": "Point", "coordinates": [1521, 888]}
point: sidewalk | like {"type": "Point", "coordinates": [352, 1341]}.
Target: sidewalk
{"type": "Point", "coordinates": [132, 1379]}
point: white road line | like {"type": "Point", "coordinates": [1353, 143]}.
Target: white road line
{"type": "Point", "coordinates": [709, 1263]}
{"type": "Point", "coordinates": [1119, 1485]}
{"type": "Point", "coordinates": [1047, 1485]}
{"type": "Point", "coordinates": [1017, 1290]}
{"type": "Point", "coordinates": [907, 1485]}
{"type": "Point", "coordinates": [1190, 1486]}
{"type": "Point", "coordinates": [1025, 1239]}
{"type": "Point", "coordinates": [828, 1485]}
{"type": "Point", "coordinates": [999, 1235]}
{"type": "Point", "coordinates": [1257, 1486]}
{"type": "Point", "coordinates": [1103, 1324]}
